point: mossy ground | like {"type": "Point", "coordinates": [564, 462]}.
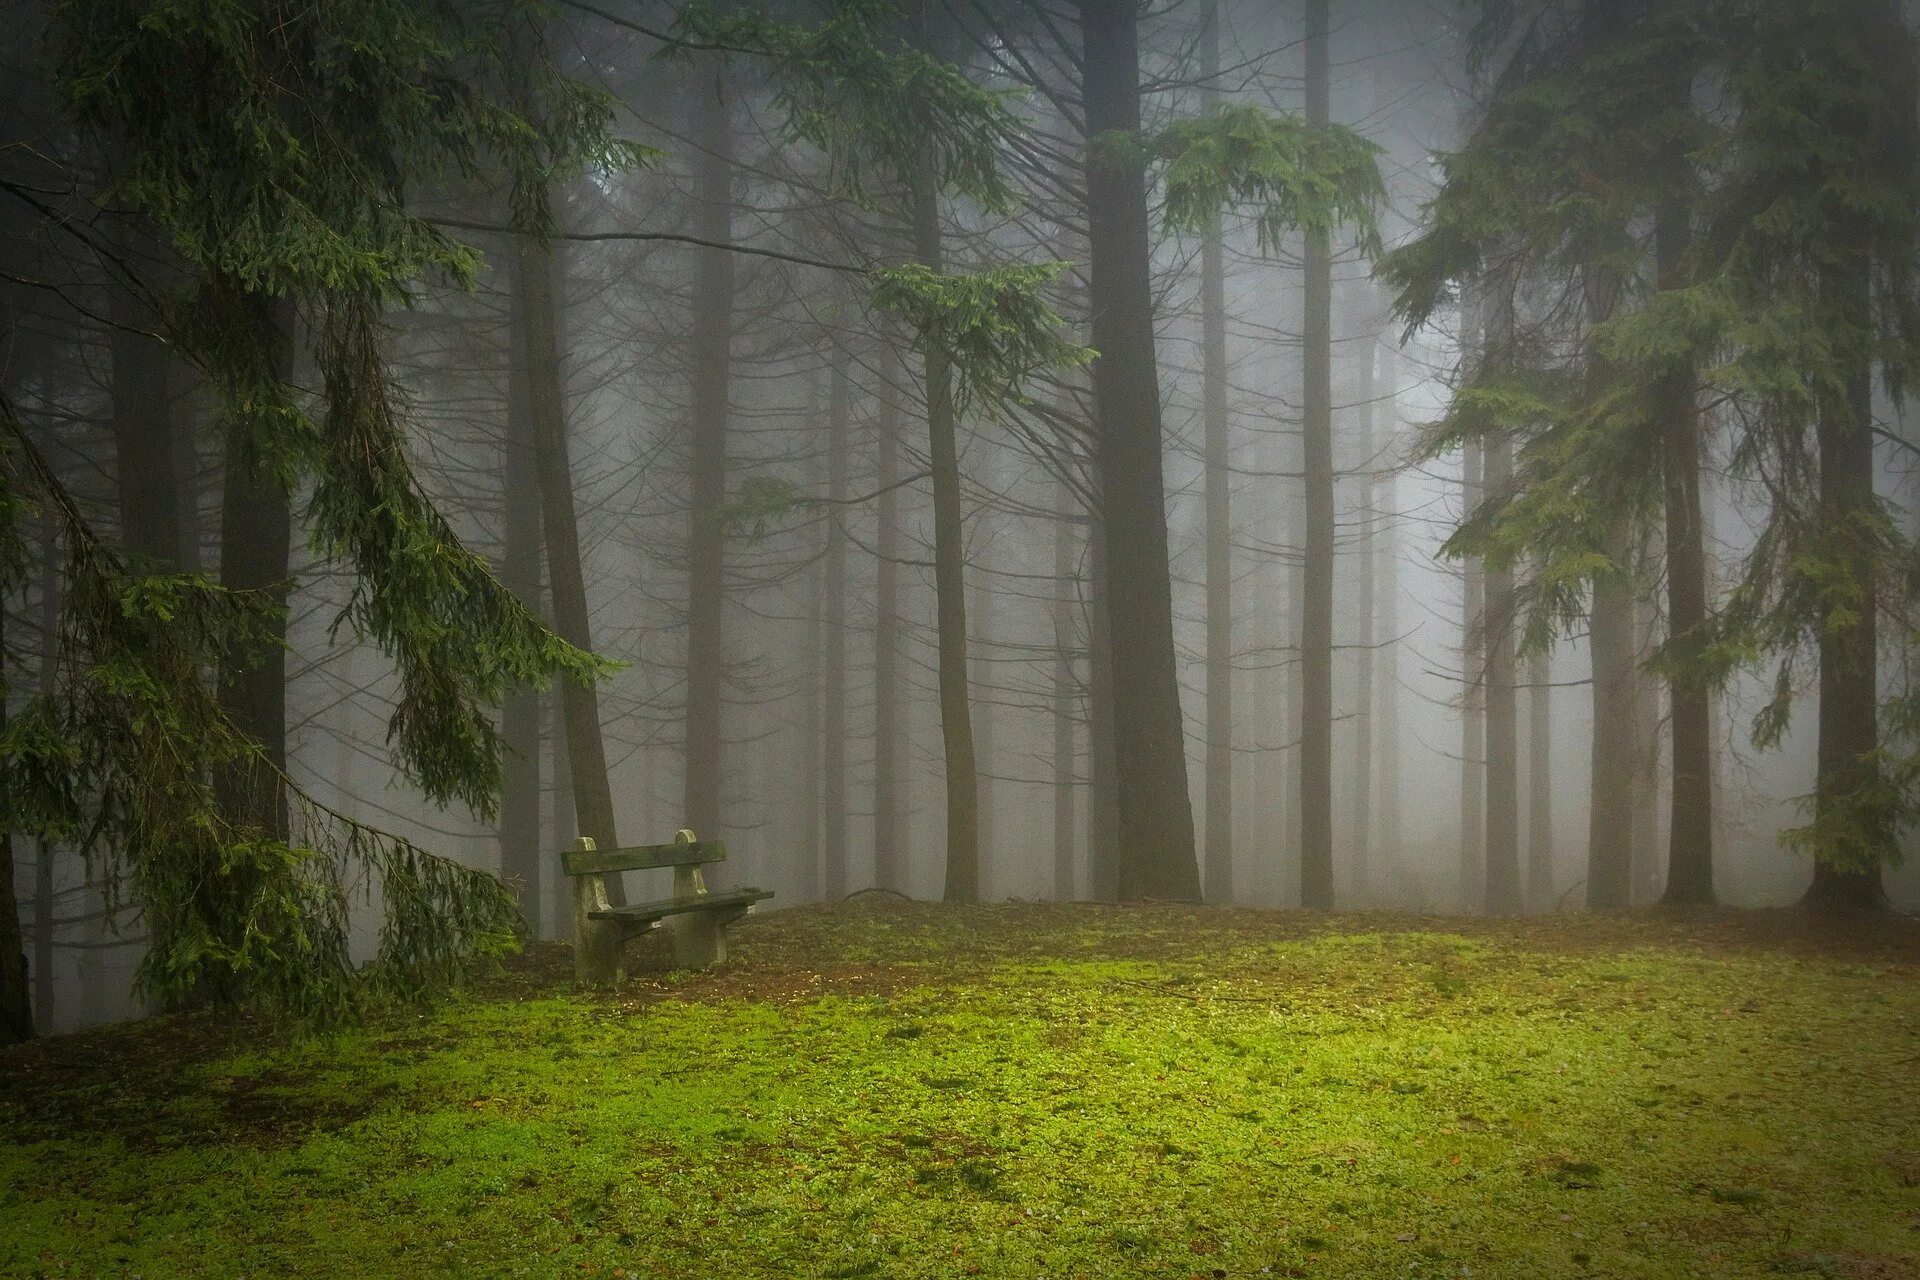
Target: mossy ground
{"type": "Point", "coordinates": [879, 1090]}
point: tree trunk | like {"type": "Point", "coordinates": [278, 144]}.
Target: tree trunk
{"type": "Point", "coordinates": [256, 529]}
{"type": "Point", "coordinates": [1610, 794]}
{"type": "Point", "coordinates": [1473, 706]}
{"type": "Point", "coordinates": [521, 857]}
{"type": "Point", "coordinates": [16, 996]}
{"type": "Point", "coordinates": [1316, 596]}
{"type": "Point", "coordinates": [1219, 498]}
{"type": "Point", "coordinates": [980, 616]}
{"type": "Point", "coordinates": [1387, 758]}
{"type": "Point", "coordinates": [586, 757]}
{"type": "Point", "coordinates": [1690, 832]}
{"type": "Point", "coordinates": [1648, 856]}
{"type": "Point", "coordinates": [1540, 894]}
{"type": "Point", "coordinates": [712, 334]}
{"type": "Point", "coordinates": [833, 654]}
{"type": "Point", "coordinates": [1361, 835]}
{"type": "Point", "coordinates": [1156, 857]}
{"type": "Point", "coordinates": [1103, 800]}
{"type": "Point", "coordinates": [1504, 892]}
{"type": "Point", "coordinates": [949, 587]}
{"type": "Point", "coordinates": [812, 810]}
{"type": "Point", "coordinates": [1066, 697]}
{"type": "Point", "coordinates": [1848, 767]}
{"type": "Point", "coordinates": [889, 846]}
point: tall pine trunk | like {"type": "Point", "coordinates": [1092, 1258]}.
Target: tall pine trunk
{"type": "Point", "coordinates": [1386, 753]}
{"type": "Point", "coordinates": [1690, 831]}
{"type": "Point", "coordinates": [1219, 501]}
{"type": "Point", "coordinates": [1504, 892]}
{"type": "Point", "coordinates": [521, 857]}
{"type": "Point", "coordinates": [889, 844]}
{"type": "Point", "coordinates": [833, 650]}
{"type": "Point", "coordinates": [16, 997]}
{"type": "Point", "coordinates": [1540, 893]}
{"type": "Point", "coordinates": [1103, 775]}
{"type": "Point", "coordinates": [539, 279]}
{"type": "Point", "coordinates": [1316, 595]}
{"type": "Point", "coordinates": [1848, 764]}
{"type": "Point", "coordinates": [1066, 697]}
{"type": "Point", "coordinates": [1360, 838]}
{"type": "Point", "coordinates": [712, 334]}
{"type": "Point", "coordinates": [1473, 704]}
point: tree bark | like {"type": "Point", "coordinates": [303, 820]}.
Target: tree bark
{"type": "Point", "coordinates": [834, 644]}
{"type": "Point", "coordinates": [1504, 893]}
{"type": "Point", "coordinates": [712, 333]}
{"type": "Point", "coordinates": [949, 585]}
{"type": "Point", "coordinates": [1386, 550]}
{"type": "Point", "coordinates": [1690, 831]}
{"type": "Point", "coordinates": [521, 857]}
{"type": "Point", "coordinates": [16, 997]}
{"type": "Point", "coordinates": [1848, 767]}
{"type": "Point", "coordinates": [889, 846]}
{"type": "Point", "coordinates": [1473, 705]}
{"type": "Point", "coordinates": [1156, 857]}
{"type": "Point", "coordinates": [1219, 500]}
{"type": "Point", "coordinates": [586, 756]}
{"type": "Point", "coordinates": [1610, 794]}
{"type": "Point", "coordinates": [1360, 838]}
{"type": "Point", "coordinates": [1103, 800]}
{"type": "Point", "coordinates": [1066, 697]}
{"type": "Point", "coordinates": [1540, 894]}
{"type": "Point", "coordinates": [1316, 596]}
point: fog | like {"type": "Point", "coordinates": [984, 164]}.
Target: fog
{"type": "Point", "coordinates": [749, 468]}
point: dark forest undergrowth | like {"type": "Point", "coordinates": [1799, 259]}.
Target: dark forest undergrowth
{"type": "Point", "coordinates": [884, 1090]}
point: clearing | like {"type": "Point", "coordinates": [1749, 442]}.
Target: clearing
{"type": "Point", "coordinates": [885, 1090]}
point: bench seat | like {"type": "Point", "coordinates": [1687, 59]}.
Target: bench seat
{"type": "Point", "coordinates": [651, 912]}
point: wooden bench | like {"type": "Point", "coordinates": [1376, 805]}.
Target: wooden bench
{"type": "Point", "coordinates": [600, 930]}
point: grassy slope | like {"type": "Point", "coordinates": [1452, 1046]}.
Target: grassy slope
{"type": "Point", "coordinates": [1028, 1091]}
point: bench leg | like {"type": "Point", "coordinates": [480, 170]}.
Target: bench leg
{"type": "Point", "coordinates": [699, 940]}
{"type": "Point", "coordinates": [596, 943]}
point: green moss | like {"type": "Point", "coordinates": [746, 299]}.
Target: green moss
{"type": "Point", "coordinates": [1023, 1092]}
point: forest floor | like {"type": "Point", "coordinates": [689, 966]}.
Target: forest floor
{"type": "Point", "coordinates": [890, 1090]}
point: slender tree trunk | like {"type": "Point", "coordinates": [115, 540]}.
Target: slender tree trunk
{"type": "Point", "coordinates": [1647, 853]}
{"type": "Point", "coordinates": [1387, 757]}
{"type": "Point", "coordinates": [1690, 833]}
{"type": "Point", "coordinates": [1505, 895]}
{"type": "Point", "coordinates": [812, 807]}
{"type": "Point", "coordinates": [1219, 498]}
{"type": "Point", "coordinates": [16, 997]}
{"type": "Point", "coordinates": [1066, 697]}
{"type": "Point", "coordinates": [539, 276]}
{"type": "Point", "coordinates": [1316, 596]}
{"type": "Point", "coordinates": [1361, 836]}
{"type": "Point", "coordinates": [521, 856]}
{"type": "Point", "coordinates": [1855, 847]}
{"type": "Point", "coordinates": [950, 590]}
{"type": "Point", "coordinates": [834, 647]}
{"type": "Point", "coordinates": [1473, 707]}
{"type": "Point", "coordinates": [980, 616]}
{"type": "Point", "coordinates": [43, 895]}
{"type": "Point", "coordinates": [1103, 801]}
{"type": "Point", "coordinates": [1610, 803]}
{"type": "Point", "coordinates": [1540, 894]}
{"type": "Point", "coordinates": [712, 378]}
{"type": "Point", "coordinates": [889, 845]}
{"type": "Point", "coordinates": [1156, 847]}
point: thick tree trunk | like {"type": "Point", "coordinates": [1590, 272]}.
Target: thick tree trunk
{"type": "Point", "coordinates": [1219, 498]}
{"type": "Point", "coordinates": [1066, 697]}
{"type": "Point", "coordinates": [586, 756]}
{"type": "Point", "coordinates": [1610, 795]}
{"type": "Point", "coordinates": [1473, 706]}
{"type": "Point", "coordinates": [833, 688]}
{"type": "Point", "coordinates": [1848, 767]}
{"type": "Point", "coordinates": [1156, 857]}
{"type": "Point", "coordinates": [1540, 891]}
{"type": "Point", "coordinates": [521, 857]}
{"type": "Point", "coordinates": [889, 844]}
{"type": "Point", "coordinates": [712, 333]}
{"type": "Point", "coordinates": [1690, 832]}
{"type": "Point", "coordinates": [256, 529]}
{"type": "Point", "coordinates": [1649, 859]}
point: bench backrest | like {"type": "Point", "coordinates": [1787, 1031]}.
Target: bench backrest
{"type": "Point", "coordinates": [685, 851]}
